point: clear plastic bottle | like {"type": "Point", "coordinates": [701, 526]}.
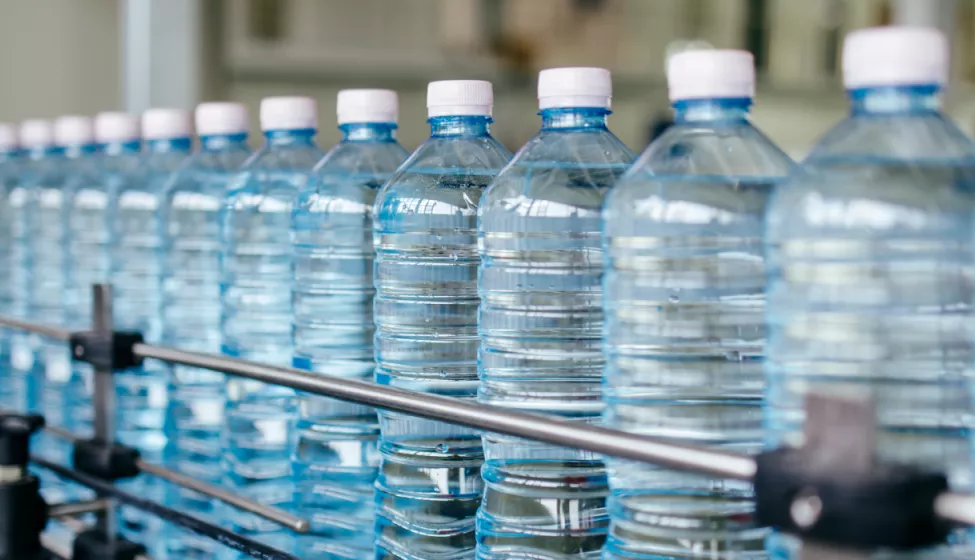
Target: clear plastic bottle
{"type": "Point", "coordinates": [870, 267]}
{"type": "Point", "coordinates": [87, 257]}
{"type": "Point", "coordinates": [541, 321]}
{"type": "Point", "coordinates": [425, 234]}
{"type": "Point", "coordinates": [256, 277]}
{"type": "Point", "coordinates": [336, 458]}
{"type": "Point", "coordinates": [192, 199]}
{"type": "Point", "coordinates": [684, 298]}
{"type": "Point", "coordinates": [38, 168]}
{"type": "Point", "coordinates": [136, 184]}
{"type": "Point", "coordinates": [62, 396]}
{"type": "Point", "coordinates": [10, 162]}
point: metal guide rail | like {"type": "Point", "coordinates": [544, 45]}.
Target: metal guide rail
{"type": "Point", "coordinates": [831, 493]}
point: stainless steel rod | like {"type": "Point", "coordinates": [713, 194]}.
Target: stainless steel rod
{"type": "Point", "coordinates": [38, 328]}
{"type": "Point", "coordinates": [537, 427]}
{"type": "Point", "coordinates": [70, 509]}
{"type": "Point", "coordinates": [270, 513]}
{"type": "Point", "coordinates": [959, 508]}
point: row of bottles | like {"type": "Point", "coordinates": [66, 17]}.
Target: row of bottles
{"type": "Point", "coordinates": [695, 294]}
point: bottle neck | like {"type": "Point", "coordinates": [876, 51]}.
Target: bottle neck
{"type": "Point", "coordinates": [39, 152]}
{"type": "Point", "coordinates": [895, 100]}
{"type": "Point", "coordinates": [467, 125]}
{"type": "Point", "coordinates": [368, 132]}
{"type": "Point", "coordinates": [168, 145]}
{"type": "Point", "coordinates": [296, 137]}
{"type": "Point", "coordinates": [79, 150]}
{"type": "Point", "coordinates": [712, 110]}
{"type": "Point", "coordinates": [574, 118]}
{"type": "Point", "coordinates": [223, 142]}
{"type": "Point", "coordinates": [121, 147]}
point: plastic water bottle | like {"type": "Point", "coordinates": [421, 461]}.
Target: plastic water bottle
{"type": "Point", "coordinates": [136, 185]}
{"type": "Point", "coordinates": [541, 321]}
{"type": "Point", "coordinates": [192, 199]}
{"type": "Point", "coordinates": [9, 175]}
{"type": "Point", "coordinates": [256, 278]}
{"type": "Point", "coordinates": [37, 165]}
{"type": "Point", "coordinates": [870, 266]}
{"type": "Point", "coordinates": [337, 457]}
{"type": "Point", "coordinates": [684, 298]}
{"type": "Point", "coordinates": [425, 234]}
{"type": "Point", "coordinates": [87, 258]}
{"type": "Point", "coordinates": [62, 395]}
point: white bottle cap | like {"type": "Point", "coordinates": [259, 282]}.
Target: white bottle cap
{"type": "Point", "coordinates": [221, 117]}
{"type": "Point", "coordinates": [895, 56]}
{"type": "Point", "coordinates": [711, 74]}
{"type": "Point", "coordinates": [113, 126]}
{"type": "Point", "coordinates": [161, 124]}
{"type": "Point", "coordinates": [8, 137]}
{"type": "Point", "coordinates": [574, 87]}
{"type": "Point", "coordinates": [36, 133]}
{"type": "Point", "coordinates": [288, 113]}
{"type": "Point", "coordinates": [460, 98]}
{"type": "Point", "coordinates": [73, 130]}
{"type": "Point", "coordinates": [367, 106]}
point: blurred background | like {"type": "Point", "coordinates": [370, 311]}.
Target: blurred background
{"type": "Point", "coordinates": [84, 56]}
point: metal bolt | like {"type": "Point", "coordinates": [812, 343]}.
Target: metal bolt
{"type": "Point", "coordinates": [806, 509]}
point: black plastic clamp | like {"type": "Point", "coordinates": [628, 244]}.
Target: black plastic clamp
{"type": "Point", "coordinates": [112, 351]}
{"type": "Point", "coordinates": [106, 461]}
{"type": "Point", "coordinates": [15, 432]}
{"type": "Point", "coordinates": [891, 506]}
{"type": "Point", "coordinates": [23, 513]}
{"type": "Point", "coordinates": [92, 545]}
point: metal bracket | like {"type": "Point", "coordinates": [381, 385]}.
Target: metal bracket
{"type": "Point", "coordinates": [110, 351]}
{"type": "Point", "coordinates": [833, 491]}
{"type": "Point", "coordinates": [93, 545]}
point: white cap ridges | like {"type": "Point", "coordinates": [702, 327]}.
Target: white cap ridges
{"type": "Point", "coordinates": [711, 74]}
{"type": "Point", "coordinates": [288, 113]}
{"type": "Point", "coordinates": [221, 117]}
{"type": "Point", "coordinates": [8, 137]}
{"type": "Point", "coordinates": [36, 133]}
{"type": "Point", "coordinates": [460, 98]}
{"type": "Point", "coordinates": [894, 56]}
{"type": "Point", "coordinates": [574, 87]}
{"type": "Point", "coordinates": [161, 124]}
{"type": "Point", "coordinates": [113, 126]}
{"type": "Point", "coordinates": [367, 106]}
{"type": "Point", "coordinates": [73, 130]}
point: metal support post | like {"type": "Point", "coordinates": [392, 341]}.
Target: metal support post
{"type": "Point", "coordinates": [103, 399]}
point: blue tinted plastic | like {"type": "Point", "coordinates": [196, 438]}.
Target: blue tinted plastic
{"type": "Point", "coordinates": [684, 298]}
{"type": "Point", "coordinates": [337, 458]}
{"type": "Point", "coordinates": [870, 284]}
{"type": "Point", "coordinates": [61, 393]}
{"type": "Point", "coordinates": [540, 327]}
{"type": "Point", "coordinates": [10, 163]}
{"type": "Point", "coordinates": [136, 183]}
{"type": "Point", "coordinates": [192, 199]}
{"type": "Point", "coordinates": [425, 234]}
{"type": "Point", "coordinates": [256, 312]}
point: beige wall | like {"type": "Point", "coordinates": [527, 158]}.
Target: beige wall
{"type": "Point", "coordinates": [58, 57]}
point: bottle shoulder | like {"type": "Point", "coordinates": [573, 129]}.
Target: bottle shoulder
{"type": "Point", "coordinates": [448, 170]}
{"type": "Point", "coordinates": [565, 167]}
{"type": "Point", "coordinates": [929, 138]}
{"type": "Point", "coordinates": [721, 150]}
{"type": "Point", "coordinates": [272, 174]}
{"type": "Point", "coordinates": [349, 163]}
{"type": "Point", "coordinates": [883, 174]}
